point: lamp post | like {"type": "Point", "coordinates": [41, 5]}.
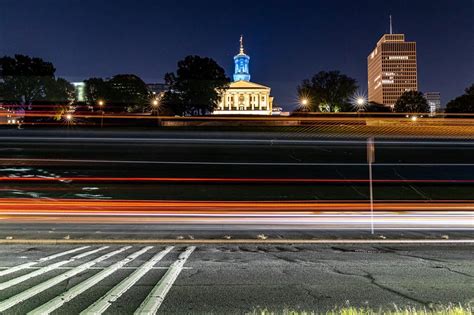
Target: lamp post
{"type": "Point", "coordinates": [304, 103]}
{"type": "Point", "coordinates": [360, 103]}
{"type": "Point", "coordinates": [156, 104]}
{"type": "Point", "coordinates": [101, 104]}
{"type": "Point", "coordinates": [370, 161]}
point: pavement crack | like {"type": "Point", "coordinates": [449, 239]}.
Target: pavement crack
{"type": "Point", "coordinates": [454, 271]}
{"type": "Point", "coordinates": [194, 273]}
{"type": "Point", "coordinates": [396, 252]}
{"type": "Point", "coordinates": [310, 292]}
{"type": "Point", "coordinates": [372, 280]}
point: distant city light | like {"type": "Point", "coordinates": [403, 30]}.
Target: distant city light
{"type": "Point", "coordinates": [155, 102]}
{"type": "Point", "coordinates": [414, 118]}
{"type": "Point", "coordinates": [69, 117]}
{"type": "Point", "coordinates": [100, 103]}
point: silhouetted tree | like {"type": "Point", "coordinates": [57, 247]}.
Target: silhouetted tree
{"type": "Point", "coordinates": [96, 89]}
{"type": "Point", "coordinates": [122, 93]}
{"type": "Point", "coordinates": [328, 91]}
{"type": "Point", "coordinates": [31, 85]}
{"type": "Point", "coordinates": [463, 103]}
{"type": "Point", "coordinates": [196, 87]}
{"type": "Point", "coordinates": [412, 102]}
{"type": "Point", "coordinates": [26, 80]}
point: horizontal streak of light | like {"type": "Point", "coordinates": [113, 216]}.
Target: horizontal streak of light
{"type": "Point", "coordinates": [18, 160]}
{"type": "Point", "coordinates": [351, 116]}
{"type": "Point", "coordinates": [233, 180]}
{"type": "Point", "coordinates": [451, 215]}
{"type": "Point", "coordinates": [232, 141]}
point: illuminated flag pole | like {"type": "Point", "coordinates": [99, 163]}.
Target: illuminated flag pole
{"type": "Point", "coordinates": [370, 160]}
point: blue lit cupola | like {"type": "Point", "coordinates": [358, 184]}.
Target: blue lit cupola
{"type": "Point", "coordinates": [241, 64]}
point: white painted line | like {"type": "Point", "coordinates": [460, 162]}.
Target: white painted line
{"type": "Point", "coordinates": [110, 297]}
{"type": "Point", "coordinates": [29, 264]}
{"type": "Point", "coordinates": [25, 295]}
{"type": "Point", "coordinates": [46, 269]}
{"type": "Point", "coordinates": [153, 301]}
{"type": "Point", "coordinates": [67, 296]}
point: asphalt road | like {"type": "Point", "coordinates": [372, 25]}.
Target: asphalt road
{"type": "Point", "coordinates": [116, 163]}
{"type": "Point", "coordinates": [227, 187]}
{"type": "Point", "coordinates": [231, 279]}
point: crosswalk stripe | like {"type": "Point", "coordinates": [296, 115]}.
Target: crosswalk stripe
{"type": "Point", "coordinates": [67, 296]}
{"type": "Point", "coordinates": [20, 297]}
{"type": "Point", "coordinates": [105, 301]}
{"type": "Point", "coordinates": [15, 281]}
{"type": "Point", "coordinates": [153, 301]}
{"type": "Point", "coordinates": [27, 265]}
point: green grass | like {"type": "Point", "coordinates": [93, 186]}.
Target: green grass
{"type": "Point", "coordinates": [451, 309]}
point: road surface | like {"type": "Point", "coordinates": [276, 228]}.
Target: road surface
{"type": "Point", "coordinates": [234, 278]}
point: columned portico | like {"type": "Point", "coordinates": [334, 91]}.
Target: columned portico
{"type": "Point", "coordinates": [244, 97]}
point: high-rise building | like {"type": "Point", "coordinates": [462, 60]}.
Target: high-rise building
{"type": "Point", "coordinates": [434, 101]}
{"type": "Point", "coordinates": [392, 69]}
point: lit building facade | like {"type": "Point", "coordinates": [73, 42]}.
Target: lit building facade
{"type": "Point", "coordinates": [244, 97]}
{"type": "Point", "coordinates": [392, 69]}
{"type": "Point", "coordinates": [79, 91]}
{"type": "Point", "coordinates": [434, 101]}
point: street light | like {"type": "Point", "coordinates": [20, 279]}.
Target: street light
{"type": "Point", "coordinates": [304, 104]}
{"type": "Point", "coordinates": [101, 104]}
{"type": "Point", "coordinates": [156, 103]}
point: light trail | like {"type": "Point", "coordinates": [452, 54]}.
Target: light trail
{"type": "Point", "coordinates": [21, 161]}
{"type": "Point", "coordinates": [267, 214]}
{"type": "Point", "coordinates": [65, 206]}
{"type": "Point", "coordinates": [233, 180]}
{"type": "Point", "coordinates": [179, 140]}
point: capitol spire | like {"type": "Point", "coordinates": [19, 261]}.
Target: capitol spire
{"type": "Point", "coordinates": [241, 61]}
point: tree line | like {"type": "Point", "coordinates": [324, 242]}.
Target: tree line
{"type": "Point", "coordinates": [195, 88]}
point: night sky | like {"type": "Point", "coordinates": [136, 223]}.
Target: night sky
{"type": "Point", "coordinates": [286, 40]}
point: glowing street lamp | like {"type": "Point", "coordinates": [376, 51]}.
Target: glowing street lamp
{"type": "Point", "coordinates": [156, 103]}
{"type": "Point", "coordinates": [68, 117]}
{"type": "Point", "coordinates": [101, 104]}
{"type": "Point", "coordinates": [304, 102]}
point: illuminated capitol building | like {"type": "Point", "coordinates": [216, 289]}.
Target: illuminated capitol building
{"type": "Point", "coordinates": [244, 97]}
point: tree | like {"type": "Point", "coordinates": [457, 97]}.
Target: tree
{"type": "Point", "coordinates": [31, 84]}
{"type": "Point", "coordinates": [25, 80]}
{"type": "Point", "coordinates": [470, 90]}
{"type": "Point", "coordinates": [196, 87]}
{"type": "Point", "coordinates": [411, 102]}
{"type": "Point", "coordinates": [129, 93]}
{"type": "Point", "coordinates": [95, 89]}
{"type": "Point", "coordinates": [328, 91]}
{"type": "Point", "coordinates": [122, 93]}
{"type": "Point", "coordinates": [463, 103]}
